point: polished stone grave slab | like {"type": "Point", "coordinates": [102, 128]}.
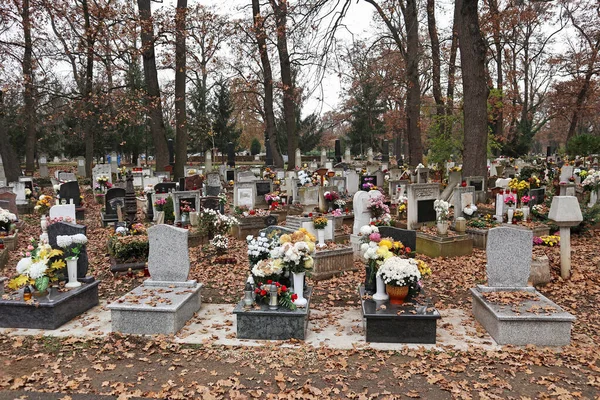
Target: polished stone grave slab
{"type": "Point", "coordinates": [48, 312]}
{"type": "Point", "coordinates": [537, 321]}
{"type": "Point", "coordinates": [149, 309]}
{"type": "Point", "coordinates": [281, 324]}
{"type": "Point", "coordinates": [404, 323]}
{"type": "Point", "coordinates": [444, 246]}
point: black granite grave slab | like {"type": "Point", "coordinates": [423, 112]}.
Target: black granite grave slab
{"type": "Point", "coordinates": [538, 195]}
{"type": "Point", "coordinates": [263, 188]}
{"type": "Point", "coordinates": [425, 211]}
{"type": "Point", "coordinates": [67, 228]}
{"type": "Point", "coordinates": [213, 190]}
{"type": "Point", "coordinates": [70, 191]}
{"type": "Point", "coordinates": [405, 323]}
{"type": "Point", "coordinates": [109, 200]}
{"type": "Point", "coordinates": [210, 202]}
{"type": "Point", "coordinates": [149, 208]}
{"type": "Point", "coordinates": [47, 312]}
{"type": "Point", "coordinates": [165, 187]}
{"type": "Point", "coordinates": [406, 236]}
{"type": "Point", "coordinates": [265, 324]}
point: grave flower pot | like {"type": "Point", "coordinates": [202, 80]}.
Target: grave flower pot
{"type": "Point", "coordinates": [397, 293]}
{"type": "Point", "coordinates": [442, 227]}
{"type": "Point", "coordinates": [99, 197]}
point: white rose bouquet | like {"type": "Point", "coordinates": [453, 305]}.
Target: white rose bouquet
{"type": "Point", "coordinates": [72, 244]}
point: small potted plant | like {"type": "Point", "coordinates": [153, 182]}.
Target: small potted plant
{"type": "Point", "coordinates": [442, 210]}
{"type": "Point", "coordinates": [525, 206]}
{"type": "Point", "coordinates": [159, 204]}
{"type": "Point", "coordinates": [399, 275]}
{"type": "Point", "coordinates": [320, 223]}
{"type": "Point", "coordinates": [185, 209]}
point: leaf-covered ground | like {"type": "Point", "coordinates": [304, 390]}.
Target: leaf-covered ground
{"type": "Point", "coordinates": [157, 367]}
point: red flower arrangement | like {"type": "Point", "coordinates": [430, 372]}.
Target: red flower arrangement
{"type": "Point", "coordinates": [285, 297]}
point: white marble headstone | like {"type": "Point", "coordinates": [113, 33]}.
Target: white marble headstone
{"type": "Point", "coordinates": [64, 211]}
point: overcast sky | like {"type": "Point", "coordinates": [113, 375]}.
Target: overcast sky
{"type": "Point", "coordinates": [358, 20]}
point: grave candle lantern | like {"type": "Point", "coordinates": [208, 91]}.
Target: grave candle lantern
{"type": "Point", "coordinates": [273, 297]}
{"type": "Point", "coordinates": [248, 300]}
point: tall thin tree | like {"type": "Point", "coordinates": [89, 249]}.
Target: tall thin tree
{"type": "Point", "coordinates": [472, 59]}
{"type": "Point", "coordinates": [267, 75]}
{"type": "Point", "coordinates": [181, 138]}
{"type": "Point", "coordinates": [155, 114]}
{"type": "Point", "coordinates": [280, 10]}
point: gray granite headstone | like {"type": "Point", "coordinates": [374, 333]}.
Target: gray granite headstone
{"type": "Point", "coordinates": [213, 190]}
{"type": "Point", "coordinates": [245, 176]}
{"type": "Point", "coordinates": [9, 202]}
{"type": "Point", "coordinates": [461, 196]}
{"type": "Point", "coordinates": [168, 260]}
{"type": "Point", "coordinates": [67, 228]}
{"type": "Point", "coordinates": [509, 256]}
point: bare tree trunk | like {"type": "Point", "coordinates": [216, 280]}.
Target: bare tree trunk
{"type": "Point", "coordinates": [157, 125]}
{"type": "Point", "coordinates": [472, 59]}
{"type": "Point", "coordinates": [181, 139]}
{"type": "Point", "coordinates": [289, 93]}
{"type": "Point", "coordinates": [435, 58]}
{"type": "Point", "coordinates": [452, 68]}
{"type": "Point", "coordinates": [89, 75]}
{"type": "Point", "coordinates": [498, 124]}
{"type": "Point", "coordinates": [581, 97]}
{"type": "Point", "coordinates": [28, 95]}
{"type": "Point", "coordinates": [413, 93]}
{"type": "Point", "coordinates": [270, 132]}
{"type": "Point", "coordinates": [12, 170]}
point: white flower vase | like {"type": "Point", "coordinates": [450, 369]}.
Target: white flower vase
{"type": "Point", "coordinates": [510, 213]}
{"type": "Point", "coordinates": [194, 218]}
{"type": "Point", "coordinates": [593, 198]}
{"type": "Point", "coordinates": [299, 289]}
{"type": "Point", "coordinates": [72, 270]}
{"type": "Point", "coordinates": [321, 236]}
{"type": "Point", "coordinates": [381, 295]}
{"type": "Point", "coordinates": [160, 217]}
{"type": "Point", "coordinates": [525, 211]}
{"type": "Point", "coordinates": [44, 224]}
{"type": "Point", "coordinates": [442, 227]}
